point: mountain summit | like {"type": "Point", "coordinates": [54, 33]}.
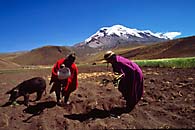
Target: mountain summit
{"type": "Point", "coordinates": [108, 37]}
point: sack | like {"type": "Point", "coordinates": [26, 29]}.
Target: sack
{"type": "Point", "coordinates": [63, 73]}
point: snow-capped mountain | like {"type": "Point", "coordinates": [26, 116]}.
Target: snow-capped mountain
{"type": "Point", "coordinates": [118, 34]}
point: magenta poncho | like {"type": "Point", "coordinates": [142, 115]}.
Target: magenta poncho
{"type": "Point", "coordinates": [131, 85]}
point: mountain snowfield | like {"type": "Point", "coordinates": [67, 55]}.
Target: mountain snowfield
{"type": "Point", "coordinates": [117, 34]}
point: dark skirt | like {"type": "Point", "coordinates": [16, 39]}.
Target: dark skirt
{"type": "Point", "coordinates": [131, 87]}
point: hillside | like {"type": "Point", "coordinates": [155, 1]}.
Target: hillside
{"type": "Point", "coordinates": [183, 47]}
{"type": "Point", "coordinates": [42, 56]}
{"type": "Point", "coordinates": [7, 64]}
{"type": "Point", "coordinates": [48, 55]}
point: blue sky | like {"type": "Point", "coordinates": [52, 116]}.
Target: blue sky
{"type": "Point", "coordinates": [29, 24]}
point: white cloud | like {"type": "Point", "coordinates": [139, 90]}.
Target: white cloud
{"type": "Point", "coordinates": [172, 35]}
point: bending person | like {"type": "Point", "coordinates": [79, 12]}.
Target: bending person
{"type": "Point", "coordinates": [131, 83]}
{"type": "Point", "coordinates": [64, 78]}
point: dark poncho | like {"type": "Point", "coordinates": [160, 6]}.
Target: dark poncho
{"type": "Point", "coordinates": [131, 85]}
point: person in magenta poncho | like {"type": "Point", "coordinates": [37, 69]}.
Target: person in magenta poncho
{"type": "Point", "coordinates": [68, 85]}
{"type": "Point", "coordinates": [131, 83]}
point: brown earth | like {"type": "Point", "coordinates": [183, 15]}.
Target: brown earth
{"type": "Point", "coordinates": [168, 102]}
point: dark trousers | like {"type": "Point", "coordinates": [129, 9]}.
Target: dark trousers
{"type": "Point", "coordinates": [58, 88]}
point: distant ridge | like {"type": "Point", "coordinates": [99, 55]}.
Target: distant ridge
{"type": "Point", "coordinates": [109, 37]}
{"type": "Point", "coordinates": [46, 55]}
{"type": "Point", "coordinates": [182, 47]}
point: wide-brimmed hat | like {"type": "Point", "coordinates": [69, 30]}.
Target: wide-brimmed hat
{"type": "Point", "coordinates": [108, 54]}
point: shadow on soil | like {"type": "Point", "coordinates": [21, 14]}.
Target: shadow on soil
{"type": "Point", "coordinates": [38, 109]}
{"type": "Point", "coordinates": [97, 113]}
{"type": "Point", "coordinates": [11, 103]}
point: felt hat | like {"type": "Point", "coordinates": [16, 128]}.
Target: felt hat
{"type": "Point", "coordinates": [108, 54]}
